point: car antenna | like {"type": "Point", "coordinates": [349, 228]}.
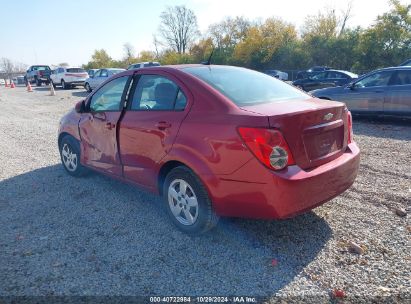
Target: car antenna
{"type": "Point", "coordinates": [208, 62]}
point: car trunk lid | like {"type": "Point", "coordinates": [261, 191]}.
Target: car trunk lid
{"type": "Point", "coordinates": [315, 130]}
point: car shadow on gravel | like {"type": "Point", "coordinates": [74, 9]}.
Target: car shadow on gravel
{"type": "Point", "coordinates": [385, 127]}
{"type": "Point", "coordinates": [96, 236]}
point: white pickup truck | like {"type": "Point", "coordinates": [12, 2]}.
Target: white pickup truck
{"type": "Point", "coordinates": [68, 77]}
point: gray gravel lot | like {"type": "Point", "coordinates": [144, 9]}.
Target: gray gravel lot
{"type": "Point", "coordinates": [95, 236]}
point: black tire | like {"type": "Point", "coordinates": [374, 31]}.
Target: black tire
{"type": "Point", "coordinates": [70, 143]}
{"type": "Point", "coordinates": [63, 85]}
{"type": "Point", "coordinates": [206, 218]}
{"type": "Point", "coordinates": [38, 82]}
{"type": "Point", "coordinates": [87, 87]}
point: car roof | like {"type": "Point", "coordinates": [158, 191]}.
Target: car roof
{"type": "Point", "coordinates": [406, 67]}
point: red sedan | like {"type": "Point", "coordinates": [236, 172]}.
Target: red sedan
{"type": "Point", "coordinates": [213, 141]}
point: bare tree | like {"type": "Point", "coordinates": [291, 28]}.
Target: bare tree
{"type": "Point", "coordinates": [346, 15]}
{"type": "Point", "coordinates": [157, 44]}
{"type": "Point", "coordinates": [178, 28]}
{"type": "Point", "coordinates": [129, 53]}
{"type": "Point", "coordinates": [8, 67]}
{"type": "Point", "coordinates": [63, 64]}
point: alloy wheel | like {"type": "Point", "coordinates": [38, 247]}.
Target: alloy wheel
{"type": "Point", "coordinates": [69, 157]}
{"type": "Point", "coordinates": [183, 202]}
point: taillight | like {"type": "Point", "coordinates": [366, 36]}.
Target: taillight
{"type": "Point", "coordinates": [269, 146]}
{"type": "Point", "coordinates": [350, 132]}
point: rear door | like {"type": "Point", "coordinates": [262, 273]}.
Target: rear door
{"type": "Point", "coordinates": [398, 94]}
{"type": "Point", "coordinates": [158, 104]}
{"type": "Point", "coordinates": [367, 95]}
{"type": "Point", "coordinates": [98, 127]}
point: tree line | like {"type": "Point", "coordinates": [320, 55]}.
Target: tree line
{"type": "Point", "coordinates": [324, 39]}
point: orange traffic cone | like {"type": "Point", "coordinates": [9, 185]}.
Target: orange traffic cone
{"type": "Point", "coordinates": [29, 88]}
{"type": "Point", "coordinates": [12, 86]}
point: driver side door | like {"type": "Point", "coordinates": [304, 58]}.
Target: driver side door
{"type": "Point", "coordinates": [98, 127]}
{"type": "Point", "coordinates": [368, 94]}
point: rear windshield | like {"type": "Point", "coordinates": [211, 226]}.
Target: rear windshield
{"type": "Point", "coordinates": [76, 70]}
{"type": "Point", "coordinates": [41, 68]}
{"type": "Point", "coordinates": [246, 87]}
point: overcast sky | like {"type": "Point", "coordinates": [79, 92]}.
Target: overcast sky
{"type": "Point", "coordinates": [52, 32]}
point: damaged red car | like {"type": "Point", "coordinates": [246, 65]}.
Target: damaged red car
{"type": "Point", "coordinates": [213, 141]}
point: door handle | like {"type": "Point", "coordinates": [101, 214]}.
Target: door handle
{"type": "Point", "coordinates": [110, 125]}
{"type": "Point", "coordinates": [162, 125]}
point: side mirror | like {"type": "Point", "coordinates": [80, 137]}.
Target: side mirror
{"type": "Point", "coordinates": [351, 86]}
{"type": "Point", "coordinates": [80, 107]}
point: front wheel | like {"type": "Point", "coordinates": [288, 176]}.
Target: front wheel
{"type": "Point", "coordinates": [70, 156]}
{"type": "Point", "coordinates": [187, 202]}
{"type": "Point", "coordinates": [63, 85]}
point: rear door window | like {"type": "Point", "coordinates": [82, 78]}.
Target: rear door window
{"type": "Point", "coordinates": [402, 77]}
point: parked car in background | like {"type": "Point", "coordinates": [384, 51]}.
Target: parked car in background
{"type": "Point", "coordinates": [277, 74]}
{"type": "Point", "coordinates": [99, 77]}
{"type": "Point", "coordinates": [329, 78]}
{"type": "Point", "coordinates": [143, 65]}
{"type": "Point", "coordinates": [2, 81]}
{"type": "Point", "coordinates": [406, 63]}
{"type": "Point", "coordinates": [312, 71]}
{"type": "Point", "coordinates": [68, 77]}
{"type": "Point", "coordinates": [214, 141]}
{"type": "Point", "coordinates": [91, 72]}
{"type": "Point", "coordinates": [381, 92]}
{"type": "Point", "coordinates": [38, 74]}
{"type": "Point", "coordinates": [20, 80]}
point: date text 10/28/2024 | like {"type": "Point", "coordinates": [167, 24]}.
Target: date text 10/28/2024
{"type": "Point", "coordinates": [205, 299]}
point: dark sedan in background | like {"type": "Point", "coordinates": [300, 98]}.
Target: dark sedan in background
{"type": "Point", "coordinates": [325, 79]}
{"type": "Point", "coordinates": [381, 92]}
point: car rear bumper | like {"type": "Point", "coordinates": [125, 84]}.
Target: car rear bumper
{"type": "Point", "coordinates": [256, 192]}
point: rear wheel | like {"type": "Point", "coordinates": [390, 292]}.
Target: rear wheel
{"type": "Point", "coordinates": [187, 202]}
{"type": "Point", "coordinates": [70, 156]}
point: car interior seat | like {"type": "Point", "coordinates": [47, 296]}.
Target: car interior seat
{"type": "Point", "coordinates": [165, 94]}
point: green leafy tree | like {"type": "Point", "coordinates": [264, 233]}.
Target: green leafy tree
{"type": "Point", "coordinates": [388, 41]}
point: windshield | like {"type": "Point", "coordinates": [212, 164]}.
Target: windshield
{"type": "Point", "coordinates": [76, 70]}
{"type": "Point", "coordinates": [245, 87]}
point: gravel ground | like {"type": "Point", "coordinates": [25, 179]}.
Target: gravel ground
{"type": "Point", "coordinates": [95, 236]}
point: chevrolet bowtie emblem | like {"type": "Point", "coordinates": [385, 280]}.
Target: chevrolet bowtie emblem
{"type": "Point", "coordinates": [328, 116]}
